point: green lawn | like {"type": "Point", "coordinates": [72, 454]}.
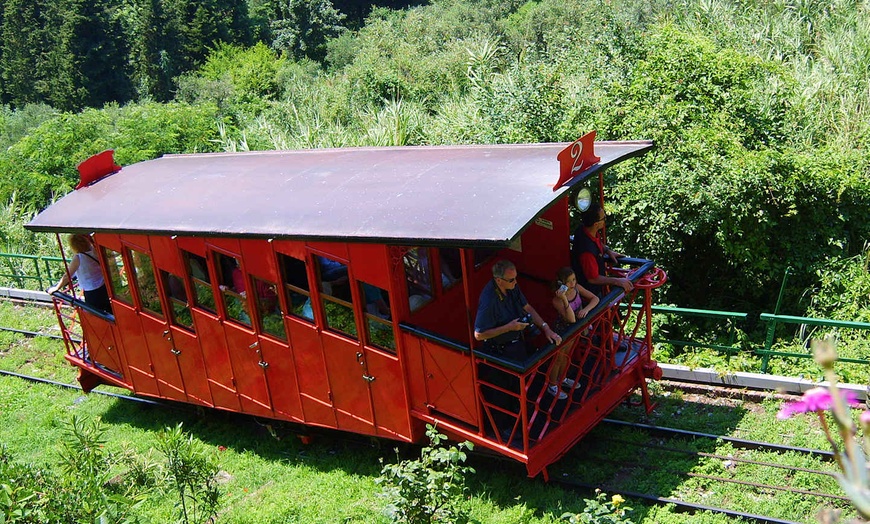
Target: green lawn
{"type": "Point", "coordinates": [269, 480]}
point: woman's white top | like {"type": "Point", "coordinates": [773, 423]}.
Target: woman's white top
{"type": "Point", "coordinates": [89, 274]}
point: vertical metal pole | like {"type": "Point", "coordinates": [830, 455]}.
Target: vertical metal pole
{"type": "Point", "coordinates": [771, 331]}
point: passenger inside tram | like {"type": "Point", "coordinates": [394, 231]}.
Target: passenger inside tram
{"type": "Point", "coordinates": [590, 256]}
{"type": "Point", "coordinates": [503, 314]}
{"type": "Point", "coordinates": [572, 303]}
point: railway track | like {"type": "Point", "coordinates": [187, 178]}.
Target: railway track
{"type": "Point", "coordinates": [660, 439]}
{"type": "Point", "coordinates": [666, 440]}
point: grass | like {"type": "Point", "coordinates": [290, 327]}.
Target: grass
{"type": "Point", "coordinates": [266, 480]}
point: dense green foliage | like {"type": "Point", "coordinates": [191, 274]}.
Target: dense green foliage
{"type": "Point", "coordinates": [428, 489]}
{"type": "Point", "coordinates": [758, 111]}
{"type": "Point", "coordinates": [89, 483]}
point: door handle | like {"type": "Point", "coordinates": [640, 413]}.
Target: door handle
{"type": "Point", "coordinates": [264, 364]}
{"type": "Point", "coordinates": [255, 344]}
{"type": "Point", "coordinates": [175, 352]}
{"type": "Point", "coordinates": [368, 378]}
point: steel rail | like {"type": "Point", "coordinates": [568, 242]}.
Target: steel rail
{"type": "Point", "coordinates": [737, 442]}
{"type": "Point", "coordinates": [34, 333]}
{"type": "Point", "coordinates": [76, 386]}
{"type": "Point", "coordinates": [724, 457]}
{"type": "Point", "coordinates": [772, 487]}
{"type": "Point", "coordinates": [681, 506]}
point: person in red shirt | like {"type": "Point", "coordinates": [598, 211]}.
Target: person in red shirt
{"type": "Point", "coordinates": [589, 255]}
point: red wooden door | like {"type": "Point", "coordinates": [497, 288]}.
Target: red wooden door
{"type": "Point", "coordinates": [312, 380]}
{"type": "Point", "coordinates": [281, 378]}
{"type": "Point", "coordinates": [349, 383]}
{"type": "Point", "coordinates": [163, 358]}
{"type": "Point", "coordinates": [191, 365]}
{"type": "Point", "coordinates": [250, 380]}
{"type": "Point", "coordinates": [101, 346]}
{"type": "Point", "coordinates": [135, 349]}
{"type": "Point", "coordinates": [391, 409]}
{"type": "Point", "coordinates": [216, 357]}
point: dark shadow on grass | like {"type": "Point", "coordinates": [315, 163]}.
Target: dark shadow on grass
{"type": "Point", "coordinates": [503, 482]}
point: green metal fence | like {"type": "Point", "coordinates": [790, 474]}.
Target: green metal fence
{"type": "Point", "coordinates": [730, 321]}
{"type": "Point", "coordinates": [29, 271]}
{"type": "Point", "coordinates": [773, 320]}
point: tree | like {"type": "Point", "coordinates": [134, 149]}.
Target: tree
{"type": "Point", "coordinates": [87, 55]}
{"type": "Point", "coordinates": [304, 26]}
{"type": "Point", "coordinates": [153, 36]}
{"type": "Point", "coordinates": [22, 41]}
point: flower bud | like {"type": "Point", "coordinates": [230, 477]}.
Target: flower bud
{"type": "Point", "coordinates": [824, 352]}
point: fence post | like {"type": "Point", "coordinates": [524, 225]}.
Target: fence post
{"type": "Point", "coordinates": [771, 331]}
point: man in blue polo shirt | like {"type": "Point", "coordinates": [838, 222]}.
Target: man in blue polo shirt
{"type": "Point", "coordinates": [500, 313]}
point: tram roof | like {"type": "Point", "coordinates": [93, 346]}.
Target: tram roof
{"type": "Point", "coordinates": [438, 195]}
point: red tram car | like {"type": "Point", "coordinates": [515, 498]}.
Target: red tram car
{"type": "Point", "coordinates": [338, 287]}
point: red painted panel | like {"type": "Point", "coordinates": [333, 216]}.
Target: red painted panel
{"type": "Point", "coordinates": [165, 255]}
{"type": "Point", "coordinates": [447, 315]}
{"type": "Point", "coordinates": [545, 249]}
{"type": "Point", "coordinates": [336, 249]}
{"type": "Point", "coordinates": [135, 350]}
{"type": "Point", "coordinates": [110, 241]}
{"type": "Point", "coordinates": [281, 377]}
{"type": "Point", "coordinates": [195, 245]}
{"type": "Point", "coordinates": [138, 241]}
{"type": "Point", "coordinates": [313, 381]}
{"type": "Point", "coordinates": [370, 263]}
{"type": "Point", "coordinates": [449, 382]}
{"type": "Point", "coordinates": [350, 392]}
{"type": "Point", "coordinates": [388, 395]}
{"type": "Point", "coordinates": [163, 361]}
{"type": "Point", "coordinates": [294, 248]}
{"type": "Point", "coordinates": [259, 259]}
{"type": "Point", "coordinates": [217, 360]}
{"type": "Point", "coordinates": [101, 344]}
{"type": "Point", "coordinates": [248, 374]}
{"type": "Point", "coordinates": [412, 358]}
{"type": "Point", "coordinates": [192, 366]}
{"type": "Point", "coordinates": [224, 244]}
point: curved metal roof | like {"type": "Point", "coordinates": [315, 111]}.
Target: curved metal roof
{"type": "Point", "coordinates": [457, 195]}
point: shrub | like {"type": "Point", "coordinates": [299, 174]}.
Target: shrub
{"type": "Point", "coordinates": [190, 472]}
{"type": "Point", "coordinates": [601, 511]}
{"type": "Point", "coordinates": [427, 489]}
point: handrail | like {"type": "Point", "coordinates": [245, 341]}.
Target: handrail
{"type": "Point", "coordinates": [434, 337]}
{"type": "Point", "coordinates": [775, 319]}
{"type": "Point", "coordinates": [812, 321]}
{"type": "Point", "coordinates": [606, 302]}
{"type": "Point", "coordinates": [73, 301]}
{"type": "Point", "coordinates": [707, 313]}
{"type": "Point", "coordinates": [41, 264]}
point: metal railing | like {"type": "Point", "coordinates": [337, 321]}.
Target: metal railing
{"type": "Point", "coordinates": [30, 271]}
{"type": "Point", "coordinates": [764, 350]}
{"type": "Point", "coordinates": [773, 320]}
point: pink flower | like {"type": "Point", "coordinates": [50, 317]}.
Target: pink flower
{"type": "Point", "coordinates": [816, 399]}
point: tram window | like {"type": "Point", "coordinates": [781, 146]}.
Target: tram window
{"type": "Point", "coordinates": [482, 254]}
{"type": "Point", "coordinates": [271, 319]}
{"type": "Point", "coordinates": [296, 286]}
{"type": "Point", "coordinates": [418, 276]}
{"type": "Point", "coordinates": [203, 296]}
{"type": "Point", "coordinates": [451, 266]}
{"type": "Point", "coordinates": [232, 286]}
{"type": "Point", "coordinates": [179, 310]}
{"type": "Point", "coordinates": [335, 295]}
{"type": "Point", "coordinates": [146, 283]}
{"type": "Point", "coordinates": [117, 276]}
{"type": "Point", "coordinates": [379, 329]}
